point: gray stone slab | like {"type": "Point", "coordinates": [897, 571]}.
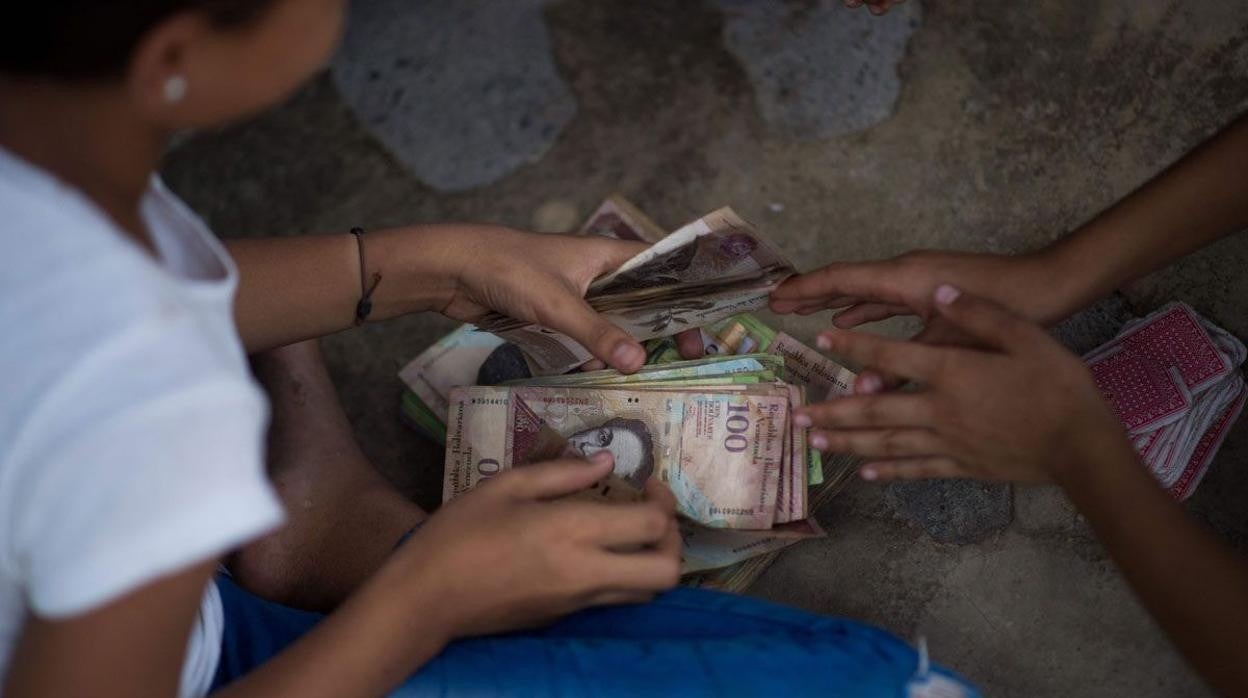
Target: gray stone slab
{"type": "Point", "coordinates": [953, 511]}
{"type": "Point", "coordinates": [819, 69]}
{"type": "Point", "coordinates": [462, 93]}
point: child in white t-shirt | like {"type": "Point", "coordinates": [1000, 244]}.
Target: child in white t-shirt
{"type": "Point", "coordinates": [132, 434]}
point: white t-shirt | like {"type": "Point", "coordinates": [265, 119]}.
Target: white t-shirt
{"type": "Point", "coordinates": [131, 432]}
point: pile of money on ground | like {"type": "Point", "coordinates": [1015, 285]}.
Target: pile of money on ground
{"type": "Point", "coordinates": [718, 430]}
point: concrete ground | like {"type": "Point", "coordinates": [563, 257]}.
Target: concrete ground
{"type": "Point", "coordinates": [980, 126]}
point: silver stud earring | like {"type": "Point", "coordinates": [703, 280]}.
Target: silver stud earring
{"type": "Point", "coordinates": [175, 89]}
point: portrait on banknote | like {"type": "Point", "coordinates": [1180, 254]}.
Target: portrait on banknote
{"type": "Point", "coordinates": [629, 442]}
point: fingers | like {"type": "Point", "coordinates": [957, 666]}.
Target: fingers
{"type": "Point", "coordinates": [554, 479]}
{"type": "Point", "coordinates": [671, 544]}
{"type": "Point", "coordinates": [871, 381]}
{"type": "Point", "coordinates": [571, 315]}
{"type": "Point", "coordinates": [868, 312]}
{"type": "Point", "coordinates": [905, 359]}
{"type": "Point", "coordinates": [803, 309]}
{"type": "Point", "coordinates": [866, 280]}
{"type": "Point", "coordinates": [621, 526]}
{"type": "Point", "coordinates": [860, 411]}
{"type": "Point", "coordinates": [939, 332]}
{"type": "Point", "coordinates": [879, 443]}
{"type": "Point", "coordinates": [912, 469]}
{"type": "Point", "coordinates": [985, 320]}
{"type": "Point", "coordinates": [593, 365]}
{"type": "Point", "coordinates": [841, 302]}
{"type": "Point", "coordinates": [807, 306]}
{"type": "Point", "coordinates": [616, 598]}
{"type": "Point", "coordinates": [651, 524]}
{"type": "Point", "coordinates": [646, 571]}
{"type": "Point", "coordinates": [660, 494]}
{"type": "Point", "coordinates": [689, 344]}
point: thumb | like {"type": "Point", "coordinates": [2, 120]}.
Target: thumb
{"type": "Point", "coordinates": [661, 494]}
{"type": "Point", "coordinates": [876, 282]}
{"type": "Point", "coordinates": [571, 315]}
{"type": "Point", "coordinates": [558, 478]}
{"type": "Point", "coordinates": [985, 320]}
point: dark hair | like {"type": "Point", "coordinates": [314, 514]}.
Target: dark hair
{"type": "Point", "coordinates": [94, 39]}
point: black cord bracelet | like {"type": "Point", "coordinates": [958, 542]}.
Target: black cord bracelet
{"type": "Point", "coordinates": [365, 305]}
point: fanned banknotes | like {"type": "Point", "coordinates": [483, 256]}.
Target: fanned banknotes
{"type": "Point", "coordinates": [713, 268]}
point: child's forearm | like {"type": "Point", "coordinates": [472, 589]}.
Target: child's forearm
{"type": "Point", "coordinates": [379, 637]}
{"type": "Point", "coordinates": [1195, 586]}
{"type": "Point", "coordinates": [297, 288]}
{"type": "Point", "coordinates": [1201, 198]}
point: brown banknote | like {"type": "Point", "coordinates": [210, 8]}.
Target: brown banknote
{"type": "Point", "coordinates": [719, 452]}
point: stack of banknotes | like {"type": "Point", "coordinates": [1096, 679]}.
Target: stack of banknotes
{"type": "Point", "coordinates": [717, 430]}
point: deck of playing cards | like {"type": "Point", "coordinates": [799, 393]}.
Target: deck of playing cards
{"type": "Point", "coordinates": [1173, 378]}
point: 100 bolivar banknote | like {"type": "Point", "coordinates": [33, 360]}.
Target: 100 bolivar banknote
{"type": "Point", "coordinates": [719, 452]}
{"type": "Point", "coordinates": [722, 374]}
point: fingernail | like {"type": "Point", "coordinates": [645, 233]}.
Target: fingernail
{"type": "Point", "coordinates": [601, 458]}
{"type": "Point", "coordinates": [868, 384]}
{"type": "Point", "coordinates": [819, 441]}
{"type": "Point", "coordinates": [626, 355]}
{"type": "Point", "coordinates": [802, 420]}
{"type": "Point", "coordinates": [946, 294]}
{"type": "Point", "coordinates": [823, 342]}
{"type": "Point", "coordinates": [868, 474]}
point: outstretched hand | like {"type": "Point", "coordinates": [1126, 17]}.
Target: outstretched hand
{"type": "Point", "coordinates": [1018, 408]}
{"type": "Point", "coordinates": [862, 292]}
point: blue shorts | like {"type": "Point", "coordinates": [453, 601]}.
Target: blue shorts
{"type": "Point", "coordinates": [687, 642]}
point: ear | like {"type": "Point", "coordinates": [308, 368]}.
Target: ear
{"type": "Point", "coordinates": [157, 77]}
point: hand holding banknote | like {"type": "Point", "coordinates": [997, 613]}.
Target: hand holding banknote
{"type": "Point", "coordinates": [517, 552]}
{"type": "Point", "coordinates": [708, 270]}
{"type": "Point", "coordinates": [1020, 409]}
{"type": "Point", "coordinates": [542, 279]}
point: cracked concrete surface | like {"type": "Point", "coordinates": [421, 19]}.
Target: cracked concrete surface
{"type": "Point", "coordinates": [1012, 124]}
